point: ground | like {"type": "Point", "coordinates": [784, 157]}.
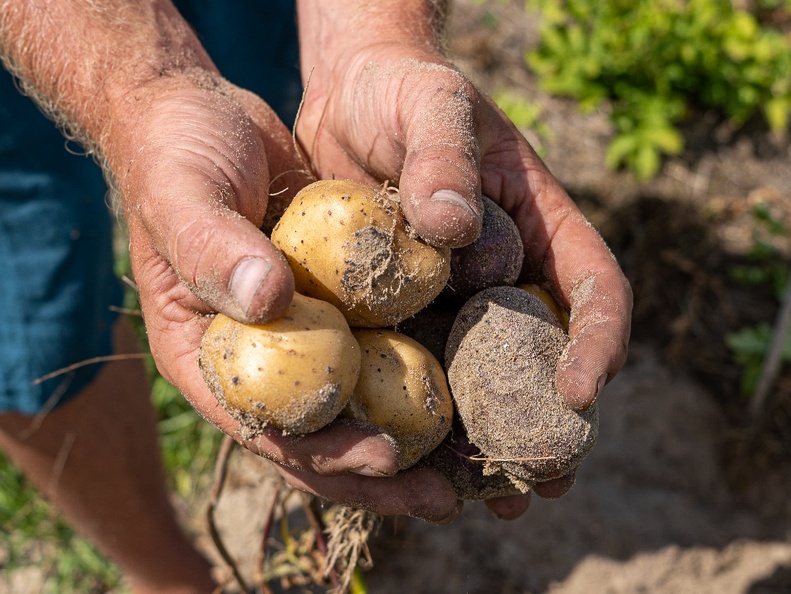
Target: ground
{"type": "Point", "coordinates": [682, 493]}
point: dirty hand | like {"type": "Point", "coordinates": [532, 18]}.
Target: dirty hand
{"type": "Point", "coordinates": [195, 191]}
{"type": "Point", "coordinates": [389, 106]}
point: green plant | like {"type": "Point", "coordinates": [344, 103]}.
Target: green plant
{"type": "Point", "coordinates": [525, 114]}
{"type": "Point", "coordinates": [34, 535]}
{"type": "Point", "coordinates": [765, 267]}
{"type": "Point", "coordinates": [656, 59]}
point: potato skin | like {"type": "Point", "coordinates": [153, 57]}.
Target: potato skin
{"type": "Point", "coordinates": [295, 373]}
{"type": "Point", "coordinates": [501, 359]}
{"type": "Point", "coordinates": [349, 244]}
{"type": "Point", "coordinates": [494, 259]}
{"type": "Point", "coordinates": [402, 389]}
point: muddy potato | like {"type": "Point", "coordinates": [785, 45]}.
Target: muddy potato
{"type": "Point", "coordinates": [401, 389]}
{"type": "Point", "coordinates": [463, 465]}
{"type": "Point", "coordinates": [295, 373]}
{"type": "Point", "coordinates": [494, 259]}
{"type": "Point", "coordinates": [501, 358]}
{"type": "Point", "coordinates": [349, 244]}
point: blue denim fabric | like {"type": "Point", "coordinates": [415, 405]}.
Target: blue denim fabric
{"type": "Point", "coordinates": [57, 282]}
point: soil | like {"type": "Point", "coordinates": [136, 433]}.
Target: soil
{"type": "Point", "coordinates": [682, 493]}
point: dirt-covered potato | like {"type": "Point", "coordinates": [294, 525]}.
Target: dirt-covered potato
{"type": "Point", "coordinates": [501, 359]}
{"type": "Point", "coordinates": [295, 373]}
{"type": "Point", "coordinates": [349, 244]}
{"type": "Point", "coordinates": [463, 465]}
{"type": "Point", "coordinates": [431, 327]}
{"type": "Point", "coordinates": [401, 389]}
{"type": "Point", "coordinates": [494, 259]}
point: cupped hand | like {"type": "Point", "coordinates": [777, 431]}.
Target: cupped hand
{"type": "Point", "coordinates": [195, 162]}
{"type": "Point", "coordinates": [403, 113]}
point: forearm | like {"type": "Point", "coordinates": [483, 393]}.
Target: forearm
{"type": "Point", "coordinates": [82, 61]}
{"type": "Point", "coordinates": [332, 32]}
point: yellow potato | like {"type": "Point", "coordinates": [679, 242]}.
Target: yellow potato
{"type": "Point", "coordinates": [401, 389]}
{"type": "Point", "coordinates": [545, 296]}
{"type": "Point", "coordinates": [349, 244]}
{"type": "Point", "coordinates": [295, 373]}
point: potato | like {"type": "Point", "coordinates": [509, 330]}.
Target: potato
{"type": "Point", "coordinates": [494, 259]}
{"type": "Point", "coordinates": [402, 389]}
{"type": "Point", "coordinates": [462, 464]}
{"type": "Point", "coordinates": [431, 327]}
{"type": "Point", "coordinates": [295, 373]}
{"type": "Point", "coordinates": [545, 296]}
{"type": "Point", "coordinates": [349, 244]}
{"type": "Point", "coordinates": [501, 359]}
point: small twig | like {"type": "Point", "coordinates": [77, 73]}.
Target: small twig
{"type": "Point", "coordinates": [480, 458]}
{"type": "Point", "coordinates": [774, 357]}
{"type": "Point", "coordinates": [265, 533]}
{"type": "Point", "coordinates": [91, 361]}
{"type": "Point", "coordinates": [130, 283]}
{"type": "Point", "coordinates": [220, 474]}
{"type": "Point", "coordinates": [126, 311]}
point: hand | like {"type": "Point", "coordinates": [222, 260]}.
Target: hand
{"type": "Point", "coordinates": [400, 112]}
{"type": "Point", "coordinates": [195, 191]}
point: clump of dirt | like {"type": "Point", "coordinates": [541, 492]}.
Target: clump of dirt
{"type": "Point", "coordinates": [501, 358]}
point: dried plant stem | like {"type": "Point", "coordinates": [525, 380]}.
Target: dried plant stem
{"type": "Point", "coordinates": [91, 361]}
{"type": "Point", "coordinates": [774, 357]}
{"type": "Point", "coordinates": [265, 533]}
{"type": "Point", "coordinates": [480, 458]}
{"type": "Point", "coordinates": [220, 474]}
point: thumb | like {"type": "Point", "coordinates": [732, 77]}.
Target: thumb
{"type": "Point", "coordinates": [197, 192]}
{"type": "Point", "coordinates": [440, 182]}
{"type": "Point", "coordinates": [230, 265]}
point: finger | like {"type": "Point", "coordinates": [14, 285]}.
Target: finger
{"type": "Point", "coordinates": [510, 507]}
{"type": "Point", "coordinates": [419, 493]}
{"type": "Point", "coordinates": [555, 488]}
{"type": "Point", "coordinates": [561, 246]}
{"type": "Point", "coordinates": [201, 193]}
{"type": "Point", "coordinates": [440, 181]}
{"type": "Point", "coordinates": [341, 447]}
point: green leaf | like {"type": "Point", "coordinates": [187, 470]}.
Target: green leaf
{"type": "Point", "coordinates": [646, 163]}
{"type": "Point", "coordinates": [776, 111]}
{"type": "Point", "coordinates": [619, 150]}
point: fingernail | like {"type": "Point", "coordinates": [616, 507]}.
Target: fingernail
{"type": "Point", "coordinates": [453, 515]}
{"type": "Point", "coordinates": [366, 470]}
{"type": "Point", "coordinates": [453, 198]}
{"type": "Point", "coordinates": [246, 280]}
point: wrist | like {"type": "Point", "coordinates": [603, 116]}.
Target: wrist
{"type": "Point", "coordinates": [335, 34]}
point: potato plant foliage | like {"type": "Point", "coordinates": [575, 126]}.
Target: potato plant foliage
{"type": "Point", "coordinates": [657, 59]}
